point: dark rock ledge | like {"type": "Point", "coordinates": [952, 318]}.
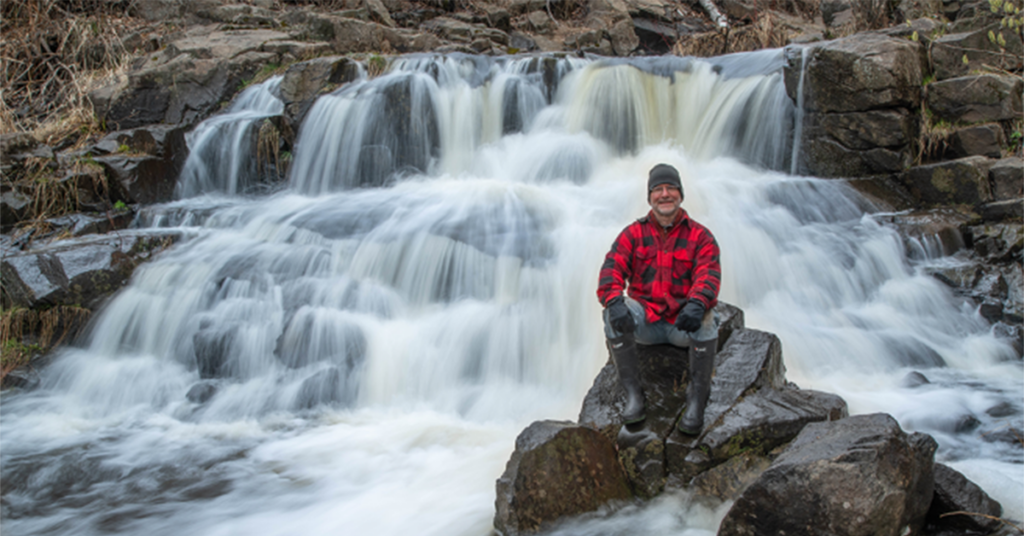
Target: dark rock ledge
{"type": "Point", "coordinates": [792, 459]}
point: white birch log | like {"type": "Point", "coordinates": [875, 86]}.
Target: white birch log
{"type": "Point", "coordinates": [716, 15]}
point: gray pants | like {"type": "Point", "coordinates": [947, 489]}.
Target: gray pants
{"type": "Point", "coordinates": [662, 332]}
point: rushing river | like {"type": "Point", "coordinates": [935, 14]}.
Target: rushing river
{"type": "Point", "coordinates": [355, 352]}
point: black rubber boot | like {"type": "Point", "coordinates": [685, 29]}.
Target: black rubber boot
{"type": "Point", "coordinates": [702, 362]}
{"type": "Point", "coordinates": [623, 350]}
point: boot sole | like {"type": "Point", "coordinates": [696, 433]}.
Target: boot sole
{"type": "Point", "coordinates": [642, 418]}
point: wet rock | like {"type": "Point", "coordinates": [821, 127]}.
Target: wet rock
{"type": "Point", "coordinates": [914, 379]}
{"type": "Point", "coordinates": [303, 82]}
{"type": "Point", "coordinates": [976, 99]}
{"type": "Point", "coordinates": [859, 92]}
{"type": "Point", "coordinates": [761, 421]}
{"type": "Point", "coordinates": [859, 475]}
{"type": "Point", "coordinates": [201, 392]}
{"type": "Point", "coordinates": [81, 272]}
{"type": "Point", "coordinates": [939, 227]}
{"type": "Point", "coordinates": [558, 469]}
{"type": "Point", "coordinates": [962, 181]}
{"type": "Point", "coordinates": [1002, 210]}
{"type": "Point", "coordinates": [141, 179]}
{"type": "Point", "coordinates": [955, 493]}
{"type": "Point", "coordinates": [15, 207]}
{"type": "Point", "coordinates": [211, 346]}
{"type": "Point", "coordinates": [186, 82]}
{"type": "Point", "coordinates": [324, 387]}
{"type": "Point", "coordinates": [1002, 409]}
{"type": "Point", "coordinates": [997, 242]}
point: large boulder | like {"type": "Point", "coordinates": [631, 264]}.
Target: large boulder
{"type": "Point", "coordinates": [558, 469]}
{"type": "Point", "coordinates": [751, 409]}
{"type": "Point", "coordinates": [858, 476]}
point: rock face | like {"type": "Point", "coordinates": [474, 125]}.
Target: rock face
{"type": "Point", "coordinates": [558, 469]}
{"type": "Point", "coordinates": [77, 272]}
{"type": "Point", "coordinates": [859, 95]}
{"type": "Point", "coordinates": [859, 476]}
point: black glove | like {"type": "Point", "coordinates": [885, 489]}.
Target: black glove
{"type": "Point", "coordinates": [690, 317]}
{"type": "Point", "coordinates": [619, 316]}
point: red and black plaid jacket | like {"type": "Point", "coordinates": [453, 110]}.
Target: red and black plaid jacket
{"type": "Point", "coordinates": [664, 270]}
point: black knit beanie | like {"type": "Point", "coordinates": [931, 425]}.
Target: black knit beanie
{"type": "Point", "coordinates": [664, 174]}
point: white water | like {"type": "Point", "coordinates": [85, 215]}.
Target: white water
{"type": "Point", "coordinates": [383, 346]}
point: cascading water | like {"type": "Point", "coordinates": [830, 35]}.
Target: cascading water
{"type": "Point", "coordinates": [221, 149]}
{"type": "Point", "coordinates": [356, 354]}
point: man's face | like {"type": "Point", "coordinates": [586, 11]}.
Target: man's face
{"type": "Point", "coordinates": [665, 199]}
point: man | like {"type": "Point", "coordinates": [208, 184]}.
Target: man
{"type": "Point", "coordinates": [669, 265]}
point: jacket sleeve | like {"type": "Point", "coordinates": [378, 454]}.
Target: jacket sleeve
{"type": "Point", "coordinates": [616, 269]}
{"type": "Point", "coordinates": [707, 271]}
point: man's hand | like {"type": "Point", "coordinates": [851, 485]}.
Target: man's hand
{"type": "Point", "coordinates": [619, 316]}
{"type": "Point", "coordinates": [690, 317]}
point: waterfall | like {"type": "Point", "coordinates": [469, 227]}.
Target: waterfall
{"type": "Point", "coordinates": [221, 157]}
{"type": "Point", "coordinates": [357, 351]}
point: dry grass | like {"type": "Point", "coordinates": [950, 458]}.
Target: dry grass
{"type": "Point", "coordinates": [51, 51]}
{"type": "Point", "coordinates": [765, 32]}
{"type": "Point", "coordinates": [26, 333]}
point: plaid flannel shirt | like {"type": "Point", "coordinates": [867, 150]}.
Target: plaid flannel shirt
{"type": "Point", "coordinates": [664, 268]}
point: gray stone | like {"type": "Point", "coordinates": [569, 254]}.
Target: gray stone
{"type": "Point", "coordinates": [962, 181]}
{"type": "Point", "coordinates": [1002, 210]}
{"type": "Point", "coordinates": [823, 156]}
{"type": "Point", "coordinates": [623, 37]}
{"type": "Point", "coordinates": [948, 52]}
{"type": "Point", "coordinates": [863, 72]}
{"type": "Point", "coordinates": [941, 226]}
{"type": "Point", "coordinates": [769, 418]}
{"type": "Point", "coordinates": [14, 208]}
{"type": "Point", "coordinates": [539, 22]}
{"type": "Point", "coordinates": [158, 10]}
{"type": "Point", "coordinates": [955, 493]}
{"type": "Point", "coordinates": [976, 99]}
{"type": "Point", "coordinates": [379, 13]}
{"type": "Point", "coordinates": [558, 469]}
{"type": "Point", "coordinates": [304, 81]}
{"type": "Point", "coordinates": [1007, 177]}
{"type": "Point", "coordinates": [984, 140]}
{"type": "Point", "coordinates": [185, 83]}
{"type": "Point", "coordinates": [857, 476]}
{"type": "Point", "coordinates": [81, 271]}
{"type": "Point", "coordinates": [868, 130]}
{"type": "Point", "coordinates": [142, 179]}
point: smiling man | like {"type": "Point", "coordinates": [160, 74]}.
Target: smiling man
{"type": "Point", "coordinates": [659, 284]}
